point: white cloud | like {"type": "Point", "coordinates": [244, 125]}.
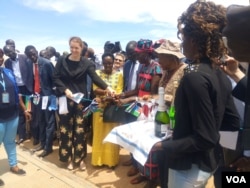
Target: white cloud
{"type": "Point", "coordinates": [122, 10]}
{"type": "Point", "coordinates": [63, 6]}
{"type": "Point", "coordinates": [160, 14]}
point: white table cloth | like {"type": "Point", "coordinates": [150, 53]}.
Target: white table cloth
{"type": "Point", "coordinates": [137, 137]}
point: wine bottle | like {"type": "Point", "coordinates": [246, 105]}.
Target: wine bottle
{"type": "Point", "coordinates": [161, 116]}
{"type": "Point", "coordinates": [172, 108]}
{"type": "Point", "coordinates": [172, 117]}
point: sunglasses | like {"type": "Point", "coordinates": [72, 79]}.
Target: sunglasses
{"type": "Point", "coordinates": [144, 44]}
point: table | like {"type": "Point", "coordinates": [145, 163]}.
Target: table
{"type": "Point", "coordinates": [136, 137]}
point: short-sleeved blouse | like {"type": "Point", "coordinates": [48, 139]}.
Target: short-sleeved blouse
{"type": "Point", "coordinates": [146, 74]}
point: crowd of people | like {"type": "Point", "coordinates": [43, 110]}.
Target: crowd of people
{"type": "Point", "coordinates": [42, 89]}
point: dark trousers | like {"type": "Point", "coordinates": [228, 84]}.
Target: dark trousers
{"type": "Point", "coordinates": [43, 125]}
{"type": "Point", "coordinates": [228, 156]}
{"type": "Point", "coordinates": [73, 133]}
{"type": "Point", "coordinates": [21, 130]}
{"type": "Point", "coordinates": [163, 168]}
{"type": "Point", "coordinates": [34, 126]}
{"type": "Point", "coordinates": [47, 128]}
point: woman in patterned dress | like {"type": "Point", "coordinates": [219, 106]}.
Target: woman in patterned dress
{"type": "Point", "coordinates": [105, 153]}
{"type": "Point", "coordinates": [148, 80]}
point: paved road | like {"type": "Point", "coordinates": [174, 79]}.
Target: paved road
{"type": "Point", "coordinates": [49, 172]}
{"type": "Point", "coordinates": [40, 173]}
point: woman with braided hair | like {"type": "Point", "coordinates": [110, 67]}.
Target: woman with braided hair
{"type": "Point", "coordinates": [202, 99]}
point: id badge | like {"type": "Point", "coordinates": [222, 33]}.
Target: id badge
{"type": "Point", "coordinates": [36, 100]}
{"type": "Point", "coordinates": [5, 97]}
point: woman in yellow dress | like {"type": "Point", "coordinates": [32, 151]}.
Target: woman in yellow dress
{"type": "Point", "coordinates": [105, 153]}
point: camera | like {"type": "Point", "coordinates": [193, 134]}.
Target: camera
{"type": "Point", "coordinates": [112, 47]}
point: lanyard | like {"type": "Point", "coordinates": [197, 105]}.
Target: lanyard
{"type": "Point", "coordinates": [2, 82]}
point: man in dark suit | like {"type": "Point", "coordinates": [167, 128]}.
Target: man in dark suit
{"type": "Point", "coordinates": [131, 67]}
{"type": "Point", "coordinates": [11, 42]}
{"type": "Point", "coordinates": [43, 121]}
{"type": "Point", "coordinates": [130, 73]}
{"type": "Point", "coordinates": [237, 39]}
{"type": "Point", "coordinates": [22, 70]}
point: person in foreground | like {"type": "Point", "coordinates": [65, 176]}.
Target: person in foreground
{"type": "Point", "coordinates": [237, 39]}
{"type": "Point", "coordinates": [170, 57]}
{"type": "Point", "coordinates": [9, 107]}
{"type": "Point", "coordinates": [202, 99]}
{"type": "Point", "coordinates": [22, 69]}
{"type": "Point", "coordinates": [70, 77]}
{"type": "Point", "coordinates": [147, 84]}
{"type": "Point", "coordinates": [105, 153]}
{"type": "Point", "coordinates": [43, 122]}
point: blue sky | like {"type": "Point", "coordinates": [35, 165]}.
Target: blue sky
{"type": "Point", "coordinates": [45, 23]}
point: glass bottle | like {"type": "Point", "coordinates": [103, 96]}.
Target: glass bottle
{"type": "Point", "coordinates": [161, 117]}
{"type": "Point", "coordinates": [172, 108]}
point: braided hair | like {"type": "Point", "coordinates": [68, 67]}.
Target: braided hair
{"type": "Point", "coordinates": [204, 22]}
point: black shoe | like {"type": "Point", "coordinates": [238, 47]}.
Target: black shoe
{"type": "Point", "coordinates": [39, 148]}
{"type": "Point", "coordinates": [45, 153]}
{"type": "Point", "coordinates": [20, 141]}
{"type": "Point", "coordinates": [54, 137]}
{"type": "Point", "coordinates": [17, 171]}
{"type": "Point", "coordinates": [1, 182]}
{"type": "Point", "coordinates": [35, 142]}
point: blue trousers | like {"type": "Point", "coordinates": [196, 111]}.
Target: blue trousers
{"type": "Point", "coordinates": [8, 132]}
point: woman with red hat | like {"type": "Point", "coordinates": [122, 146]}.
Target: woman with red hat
{"type": "Point", "coordinates": [149, 76]}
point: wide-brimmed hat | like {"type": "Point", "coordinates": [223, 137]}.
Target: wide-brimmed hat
{"type": "Point", "coordinates": [168, 47]}
{"type": "Point", "coordinates": [144, 45]}
{"type": "Point", "coordinates": [158, 43]}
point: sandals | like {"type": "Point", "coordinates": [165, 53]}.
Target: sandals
{"type": "Point", "coordinates": [132, 171]}
{"type": "Point", "coordinates": [138, 179]}
{"type": "Point", "coordinates": [82, 165]}
{"type": "Point", "coordinates": [17, 170]}
{"type": "Point", "coordinates": [70, 166]}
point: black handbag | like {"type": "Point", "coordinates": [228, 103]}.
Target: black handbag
{"type": "Point", "coordinates": [114, 114]}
